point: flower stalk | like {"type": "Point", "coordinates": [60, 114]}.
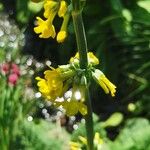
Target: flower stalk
{"type": "Point", "coordinates": [83, 51]}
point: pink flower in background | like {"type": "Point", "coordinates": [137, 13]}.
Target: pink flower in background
{"type": "Point", "coordinates": [12, 79]}
{"type": "Point", "coordinates": [15, 69]}
{"type": "Point", "coordinates": [5, 68]}
{"type": "Point", "coordinates": [12, 71]}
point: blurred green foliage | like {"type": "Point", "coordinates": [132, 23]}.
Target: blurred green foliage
{"type": "Point", "coordinates": [134, 135]}
{"type": "Point", "coordinates": [41, 135]}
{"type": "Point", "coordinates": [17, 99]}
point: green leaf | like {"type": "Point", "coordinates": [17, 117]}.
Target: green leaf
{"type": "Point", "coordinates": [114, 120]}
{"type": "Point", "coordinates": [35, 7]}
{"type": "Point", "coordinates": [134, 136]}
{"type": "Point", "coordinates": [144, 4]}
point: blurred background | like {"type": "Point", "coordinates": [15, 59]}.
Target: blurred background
{"type": "Point", "coordinates": [118, 32]}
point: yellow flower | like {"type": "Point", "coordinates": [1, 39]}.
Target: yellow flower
{"type": "Point", "coordinates": [92, 59]}
{"type": "Point", "coordinates": [72, 107]}
{"type": "Point", "coordinates": [61, 36]}
{"type": "Point", "coordinates": [97, 139]}
{"type": "Point", "coordinates": [50, 87]}
{"type": "Point", "coordinates": [63, 9]}
{"type": "Point", "coordinates": [45, 28]}
{"type": "Point", "coordinates": [75, 146]}
{"type": "Point", "coordinates": [102, 80]}
{"type": "Point", "coordinates": [83, 140]}
{"type": "Point", "coordinates": [98, 143]}
{"type": "Point", "coordinates": [43, 87]}
{"type": "Point", "coordinates": [50, 7]}
{"type": "Point", "coordinates": [55, 82]}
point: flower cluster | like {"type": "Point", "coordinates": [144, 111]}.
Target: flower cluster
{"type": "Point", "coordinates": [98, 143]}
{"type": "Point", "coordinates": [12, 72]}
{"type": "Point", "coordinates": [45, 28]}
{"type": "Point", "coordinates": [57, 82]}
{"type": "Point", "coordinates": [97, 74]}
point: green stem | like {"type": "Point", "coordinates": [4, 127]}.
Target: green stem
{"type": "Point", "coordinates": [89, 121]}
{"type": "Point", "coordinates": [83, 50]}
{"type": "Point", "coordinates": [80, 38]}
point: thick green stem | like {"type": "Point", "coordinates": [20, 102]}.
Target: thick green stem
{"type": "Point", "coordinates": [80, 38]}
{"type": "Point", "coordinates": [83, 50]}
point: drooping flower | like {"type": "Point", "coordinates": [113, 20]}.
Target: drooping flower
{"type": "Point", "coordinates": [102, 80]}
{"type": "Point", "coordinates": [57, 82]}
{"type": "Point", "coordinates": [51, 86]}
{"type": "Point", "coordinates": [43, 87]}
{"type": "Point", "coordinates": [50, 8]}
{"type": "Point", "coordinates": [61, 36]}
{"type": "Point", "coordinates": [45, 28]}
{"type": "Point", "coordinates": [62, 9]}
{"type": "Point", "coordinates": [72, 107]}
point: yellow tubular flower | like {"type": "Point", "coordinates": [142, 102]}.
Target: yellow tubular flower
{"type": "Point", "coordinates": [61, 36]}
{"type": "Point", "coordinates": [43, 87]}
{"type": "Point", "coordinates": [72, 107]}
{"type": "Point", "coordinates": [50, 87]}
{"type": "Point", "coordinates": [92, 59]}
{"type": "Point", "coordinates": [45, 28]}
{"type": "Point", "coordinates": [50, 7]}
{"type": "Point", "coordinates": [55, 82]}
{"type": "Point", "coordinates": [62, 9]}
{"type": "Point", "coordinates": [102, 80]}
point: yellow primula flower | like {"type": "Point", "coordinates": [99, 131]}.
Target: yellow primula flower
{"type": "Point", "coordinates": [45, 28]}
{"type": "Point", "coordinates": [62, 9]}
{"type": "Point", "coordinates": [61, 36]}
{"type": "Point", "coordinates": [55, 82]}
{"type": "Point", "coordinates": [50, 7]}
{"type": "Point", "coordinates": [43, 87]}
{"type": "Point", "coordinates": [51, 87]}
{"type": "Point", "coordinates": [102, 80]}
{"type": "Point", "coordinates": [72, 107]}
{"type": "Point", "coordinates": [92, 59]}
